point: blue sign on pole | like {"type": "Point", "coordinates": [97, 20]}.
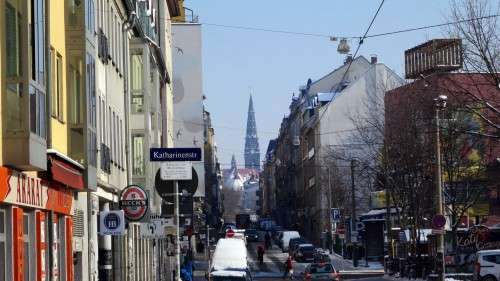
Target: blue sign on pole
{"type": "Point", "coordinates": [336, 214]}
{"type": "Point", "coordinates": [175, 154]}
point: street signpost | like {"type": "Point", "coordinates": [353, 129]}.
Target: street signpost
{"type": "Point", "coordinates": [134, 202]}
{"type": "Point", "coordinates": [175, 169]}
{"type": "Point", "coordinates": [112, 222]}
{"type": "Point", "coordinates": [335, 212]}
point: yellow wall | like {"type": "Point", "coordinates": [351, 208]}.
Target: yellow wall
{"type": "Point", "coordinates": [2, 65]}
{"type": "Point", "coordinates": [57, 42]}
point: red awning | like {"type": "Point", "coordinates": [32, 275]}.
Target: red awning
{"type": "Point", "coordinates": [66, 173]}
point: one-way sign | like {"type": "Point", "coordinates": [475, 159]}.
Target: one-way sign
{"type": "Point", "coordinates": [175, 154]}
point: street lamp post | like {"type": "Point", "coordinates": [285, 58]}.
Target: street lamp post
{"type": "Point", "coordinates": [329, 194]}
{"type": "Point", "coordinates": [440, 104]}
{"type": "Point", "coordinates": [353, 217]}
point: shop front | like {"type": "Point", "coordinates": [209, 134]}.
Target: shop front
{"type": "Point", "coordinates": [36, 228]}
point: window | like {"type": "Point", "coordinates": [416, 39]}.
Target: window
{"type": "Point", "coordinates": [117, 137]}
{"type": "Point", "coordinates": [13, 19]}
{"type": "Point", "coordinates": [122, 164]}
{"type": "Point", "coordinates": [112, 34]}
{"type": "Point", "coordinates": [110, 133]}
{"type": "Point", "coordinates": [37, 111]}
{"type": "Point", "coordinates": [137, 155]}
{"type": "Point", "coordinates": [492, 258]}
{"type": "Point", "coordinates": [76, 96]}
{"type": "Point", "coordinates": [3, 242]}
{"type": "Point", "coordinates": [113, 133]}
{"type": "Point", "coordinates": [27, 251]}
{"type": "Point", "coordinates": [37, 41]}
{"type": "Point", "coordinates": [136, 84]}
{"type": "Point", "coordinates": [57, 86]}
{"type": "Point", "coordinates": [89, 16]}
{"type": "Point", "coordinates": [91, 111]}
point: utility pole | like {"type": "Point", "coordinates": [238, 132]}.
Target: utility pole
{"type": "Point", "coordinates": [330, 208]}
{"type": "Point", "coordinates": [440, 104]}
{"type": "Point", "coordinates": [353, 218]}
{"type": "Point", "coordinates": [177, 232]}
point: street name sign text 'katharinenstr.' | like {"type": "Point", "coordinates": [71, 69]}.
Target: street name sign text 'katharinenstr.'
{"type": "Point", "coordinates": [175, 154]}
{"type": "Point", "coordinates": [176, 171]}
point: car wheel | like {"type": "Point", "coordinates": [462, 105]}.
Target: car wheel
{"type": "Point", "coordinates": [489, 278]}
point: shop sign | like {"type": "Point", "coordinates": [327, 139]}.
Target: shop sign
{"type": "Point", "coordinates": [112, 222]}
{"type": "Point", "coordinates": [134, 202]}
{"type": "Point", "coordinates": [24, 190]}
{"type": "Point", "coordinates": [479, 238]}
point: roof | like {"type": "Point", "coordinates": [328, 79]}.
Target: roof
{"type": "Point", "coordinates": [230, 254]}
{"type": "Point", "coordinates": [229, 273]}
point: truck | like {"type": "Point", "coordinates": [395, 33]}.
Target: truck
{"type": "Point", "coordinates": [243, 221]}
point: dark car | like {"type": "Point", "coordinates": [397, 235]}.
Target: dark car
{"type": "Point", "coordinates": [304, 253]}
{"type": "Point", "coordinates": [294, 244]}
{"type": "Point", "coordinates": [321, 256]}
{"type": "Point", "coordinates": [321, 272]}
{"type": "Point", "coordinates": [252, 235]}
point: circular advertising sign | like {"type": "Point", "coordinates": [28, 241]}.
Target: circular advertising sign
{"type": "Point", "coordinates": [134, 202]}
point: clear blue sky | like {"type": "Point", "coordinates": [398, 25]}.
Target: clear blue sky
{"type": "Point", "coordinates": [275, 65]}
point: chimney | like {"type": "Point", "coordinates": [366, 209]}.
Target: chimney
{"type": "Point", "coordinates": [373, 59]}
{"type": "Point", "coordinates": [348, 59]}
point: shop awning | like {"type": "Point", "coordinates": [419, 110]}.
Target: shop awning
{"type": "Point", "coordinates": [66, 173]}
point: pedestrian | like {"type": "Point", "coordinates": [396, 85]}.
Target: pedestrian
{"type": "Point", "coordinates": [267, 239]}
{"type": "Point", "coordinates": [260, 254]}
{"type": "Point", "coordinates": [288, 268]}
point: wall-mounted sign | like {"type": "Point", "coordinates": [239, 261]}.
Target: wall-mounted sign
{"type": "Point", "coordinates": [134, 202]}
{"type": "Point", "coordinates": [155, 228]}
{"type": "Point", "coordinates": [175, 154]}
{"type": "Point", "coordinates": [33, 192]}
{"type": "Point", "coordinates": [112, 222]}
{"type": "Point", "coordinates": [176, 171]}
{"type": "Point", "coordinates": [335, 214]}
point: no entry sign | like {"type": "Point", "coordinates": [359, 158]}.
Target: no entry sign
{"type": "Point", "coordinates": [134, 202]}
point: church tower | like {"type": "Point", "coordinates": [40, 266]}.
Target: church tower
{"type": "Point", "coordinates": [252, 152]}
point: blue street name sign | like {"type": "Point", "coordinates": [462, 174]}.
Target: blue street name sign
{"type": "Point", "coordinates": [175, 154]}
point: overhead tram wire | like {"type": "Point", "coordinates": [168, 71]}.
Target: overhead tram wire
{"type": "Point", "coordinates": [354, 57]}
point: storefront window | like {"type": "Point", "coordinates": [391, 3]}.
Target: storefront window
{"type": "Point", "coordinates": [27, 249]}
{"type": "Point", "coordinates": [2, 246]}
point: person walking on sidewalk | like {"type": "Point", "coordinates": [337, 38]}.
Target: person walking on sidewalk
{"type": "Point", "coordinates": [260, 254]}
{"type": "Point", "coordinates": [288, 268]}
{"type": "Point", "coordinates": [267, 239]}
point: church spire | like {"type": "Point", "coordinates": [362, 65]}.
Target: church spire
{"type": "Point", "coordinates": [252, 152]}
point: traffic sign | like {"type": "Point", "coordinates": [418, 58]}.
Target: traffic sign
{"type": "Point", "coordinates": [438, 221]}
{"type": "Point", "coordinates": [335, 213]}
{"type": "Point", "coordinates": [112, 222]}
{"type": "Point", "coordinates": [134, 202]}
{"type": "Point", "coordinates": [230, 233]}
{"type": "Point", "coordinates": [175, 154]}
{"type": "Point", "coordinates": [176, 171]}
{"type": "Point", "coordinates": [155, 228]}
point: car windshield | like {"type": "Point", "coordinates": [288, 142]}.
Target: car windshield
{"type": "Point", "coordinates": [307, 249]}
{"type": "Point", "coordinates": [321, 268]}
{"type": "Point", "coordinates": [250, 231]}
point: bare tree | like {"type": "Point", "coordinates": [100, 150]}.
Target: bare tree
{"type": "Point", "coordinates": [478, 27]}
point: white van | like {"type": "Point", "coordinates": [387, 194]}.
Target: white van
{"type": "Point", "coordinates": [487, 265]}
{"type": "Point", "coordinates": [229, 261]}
{"type": "Point", "coordinates": [285, 237]}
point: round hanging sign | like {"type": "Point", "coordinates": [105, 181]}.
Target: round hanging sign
{"type": "Point", "coordinates": [134, 202]}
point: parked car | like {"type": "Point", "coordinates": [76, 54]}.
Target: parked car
{"type": "Point", "coordinates": [294, 244]}
{"type": "Point", "coordinates": [304, 253]}
{"type": "Point", "coordinates": [487, 265]}
{"type": "Point", "coordinates": [321, 271]}
{"type": "Point", "coordinates": [252, 235]}
{"type": "Point", "coordinates": [321, 256]}
{"type": "Point", "coordinates": [229, 261]}
{"type": "Point", "coordinates": [285, 239]}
